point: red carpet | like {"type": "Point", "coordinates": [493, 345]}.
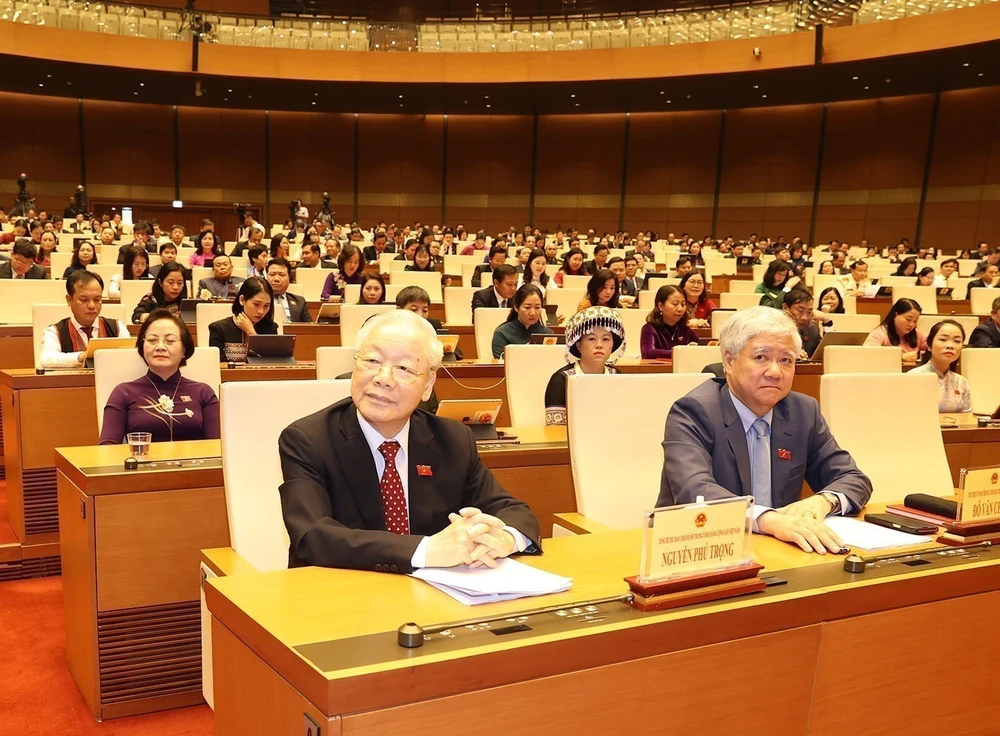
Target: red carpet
{"type": "Point", "coordinates": [7, 535]}
{"type": "Point", "coordinates": [37, 694]}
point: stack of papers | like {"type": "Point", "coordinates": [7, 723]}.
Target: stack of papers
{"type": "Point", "coordinates": [857, 533]}
{"type": "Point", "coordinates": [509, 580]}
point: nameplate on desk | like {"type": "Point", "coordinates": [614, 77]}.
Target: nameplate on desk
{"type": "Point", "coordinates": [696, 538]}
{"type": "Point", "coordinates": [980, 497]}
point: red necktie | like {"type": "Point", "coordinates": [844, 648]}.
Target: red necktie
{"type": "Point", "coordinates": [393, 499]}
{"type": "Point", "coordinates": [86, 335]}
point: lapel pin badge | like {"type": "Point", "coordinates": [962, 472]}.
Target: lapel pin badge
{"type": "Point", "coordinates": [784, 454]}
{"type": "Point", "coordinates": [425, 470]}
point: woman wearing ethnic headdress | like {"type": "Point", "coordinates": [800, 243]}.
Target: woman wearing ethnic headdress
{"type": "Point", "coordinates": [595, 340]}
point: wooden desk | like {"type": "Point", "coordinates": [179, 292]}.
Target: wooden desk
{"type": "Point", "coordinates": [797, 653]}
{"type": "Point", "coordinates": [130, 544]}
{"type": "Point", "coordinates": [880, 305]}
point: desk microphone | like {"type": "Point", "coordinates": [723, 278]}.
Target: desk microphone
{"type": "Point", "coordinates": [859, 564]}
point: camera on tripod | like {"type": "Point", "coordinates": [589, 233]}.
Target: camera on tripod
{"type": "Point", "coordinates": [24, 201]}
{"type": "Point", "coordinates": [240, 208]}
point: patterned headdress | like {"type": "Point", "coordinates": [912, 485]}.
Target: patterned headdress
{"type": "Point", "coordinates": [583, 323]}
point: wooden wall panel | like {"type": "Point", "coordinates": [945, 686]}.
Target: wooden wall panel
{"type": "Point", "coordinates": [873, 167]}
{"type": "Point", "coordinates": [42, 140]}
{"type": "Point", "coordinates": [579, 171]}
{"type": "Point", "coordinates": [312, 153]}
{"type": "Point", "coordinates": [489, 171]}
{"type": "Point", "coordinates": [221, 154]}
{"type": "Point", "coordinates": [130, 151]}
{"type": "Point", "coordinates": [671, 172]}
{"type": "Point", "coordinates": [769, 171]}
{"type": "Point", "coordinates": [964, 181]}
{"type": "Point", "coordinates": [400, 160]}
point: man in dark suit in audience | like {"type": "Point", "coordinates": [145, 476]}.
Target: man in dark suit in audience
{"type": "Point", "coordinates": [222, 284]}
{"type": "Point", "coordinates": [501, 293]}
{"type": "Point", "coordinates": [987, 335]}
{"type": "Point", "coordinates": [798, 306]}
{"type": "Point", "coordinates": [380, 245]}
{"type": "Point", "coordinates": [254, 237]}
{"type": "Point", "coordinates": [372, 483]}
{"type": "Point", "coordinates": [750, 435]}
{"type": "Point", "coordinates": [987, 277]}
{"type": "Point", "coordinates": [497, 257]}
{"type": "Point", "coordinates": [22, 262]}
{"type": "Point", "coordinates": [288, 307]}
{"type": "Point", "coordinates": [142, 235]}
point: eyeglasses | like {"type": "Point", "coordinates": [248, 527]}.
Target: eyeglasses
{"type": "Point", "coordinates": [400, 373]}
{"type": "Point", "coordinates": [169, 341]}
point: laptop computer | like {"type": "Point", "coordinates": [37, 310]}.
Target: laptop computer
{"type": "Point", "coordinates": [270, 350]}
{"type": "Point", "coordinates": [547, 339]}
{"type": "Point", "coordinates": [837, 338]}
{"type": "Point", "coordinates": [479, 415]}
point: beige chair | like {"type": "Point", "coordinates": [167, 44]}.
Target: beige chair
{"type": "Point", "coordinates": [453, 264]}
{"type": "Point", "coordinates": [854, 322]}
{"type": "Point", "coordinates": [719, 317]}
{"type": "Point", "coordinates": [17, 298]}
{"type": "Point", "coordinates": [353, 316]}
{"type": "Point", "coordinates": [603, 493]}
{"type": "Point", "coordinates": [396, 266]}
{"type": "Point", "coordinates": [694, 358]}
{"type": "Point", "coordinates": [824, 281]}
{"type": "Point", "coordinates": [904, 427]}
{"type": "Point", "coordinates": [981, 367]}
{"type": "Point", "coordinates": [862, 359]}
{"type": "Point", "coordinates": [633, 321]}
{"type": "Point", "coordinates": [528, 369]}
{"type": "Point", "coordinates": [312, 279]}
{"type": "Point", "coordinates": [969, 322]}
{"type": "Point", "coordinates": [198, 273]}
{"type": "Point", "coordinates": [742, 286]}
{"type": "Point", "coordinates": [647, 300]}
{"type": "Point", "coordinates": [206, 314]}
{"type": "Point", "coordinates": [981, 299]}
{"type": "Point", "coordinates": [575, 282]}
{"type": "Point", "coordinates": [925, 296]}
{"type": "Point", "coordinates": [720, 267]}
{"type": "Point", "coordinates": [565, 300]}
{"type": "Point", "coordinates": [44, 315]}
{"type": "Point", "coordinates": [132, 293]}
{"type": "Point", "coordinates": [429, 281]}
{"type": "Point", "coordinates": [60, 262]}
{"type": "Point", "coordinates": [458, 305]}
{"type": "Point", "coordinates": [485, 321]}
{"type": "Point", "coordinates": [654, 282]}
{"type": "Point", "coordinates": [385, 262]}
{"type": "Point", "coordinates": [738, 301]}
{"type": "Point", "coordinates": [334, 360]}
{"type": "Point", "coordinates": [352, 294]}
{"type": "Point", "coordinates": [469, 270]}
{"type": "Point", "coordinates": [112, 367]}
{"type": "Point", "coordinates": [105, 272]}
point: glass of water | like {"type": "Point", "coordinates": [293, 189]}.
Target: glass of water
{"type": "Point", "coordinates": [138, 443]}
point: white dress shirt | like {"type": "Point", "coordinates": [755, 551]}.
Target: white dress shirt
{"type": "Point", "coordinates": [283, 312]}
{"type": "Point", "coordinates": [52, 355]}
{"type": "Point", "coordinates": [374, 439]}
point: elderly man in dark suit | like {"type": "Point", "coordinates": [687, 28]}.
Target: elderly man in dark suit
{"type": "Point", "coordinates": [987, 335]}
{"type": "Point", "coordinates": [22, 262]}
{"type": "Point", "coordinates": [748, 434]}
{"type": "Point", "coordinates": [501, 293]}
{"type": "Point", "coordinates": [222, 284]}
{"type": "Point", "coordinates": [373, 483]}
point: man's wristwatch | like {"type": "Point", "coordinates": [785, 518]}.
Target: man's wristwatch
{"type": "Point", "coordinates": [834, 500]}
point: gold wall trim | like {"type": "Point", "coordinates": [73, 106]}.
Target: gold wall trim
{"type": "Point", "coordinates": [668, 201]}
{"type": "Point", "coordinates": [387, 199]}
{"type": "Point", "coordinates": [285, 196]}
{"type": "Point", "coordinates": [581, 201]}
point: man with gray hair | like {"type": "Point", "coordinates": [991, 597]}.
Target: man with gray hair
{"type": "Point", "coordinates": [748, 434]}
{"type": "Point", "coordinates": [373, 483]}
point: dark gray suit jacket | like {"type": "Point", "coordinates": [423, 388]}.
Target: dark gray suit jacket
{"type": "Point", "coordinates": [705, 451]}
{"type": "Point", "coordinates": [298, 308]}
{"type": "Point", "coordinates": [485, 298]}
{"type": "Point", "coordinates": [215, 288]}
{"type": "Point", "coordinates": [332, 503]}
{"type": "Point", "coordinates": [37, 271]}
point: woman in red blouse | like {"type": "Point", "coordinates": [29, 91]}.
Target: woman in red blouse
{"type": "Point", "coordinates": [699, 306]}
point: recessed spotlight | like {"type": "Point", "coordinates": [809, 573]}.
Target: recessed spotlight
{"type": "Point", "coordinates": [888, 81]}
{"type": "Point", "coordinates": [135, 93]}
{"type": "Point", "coordinates": [48, 76]}
{"type": "Point", "coordinates": [764, 97]}
{"type": "Point", "coordinates": [486, 97]}
{"type": "Point", "coordinates": [689, 97]}
{"type": "Point", "coordinates": [756, 86]}
{"type": "Point", "coordinates": [401, 97]}
{"type": "Point", "coordinates": [314, 102]}
{"type": "Point", "coordinates": [400, 104]}
{"type": "Point", "coordinates": [40, 84]}
{"type": "Point", "coordinates": [662, 92]}
{"type": "Point", "coordinates": [142, 84]}
{"type": "Point", "coordinates": [315, 94]}
{"type": "Point", "coordinates": [577, 104]}
{"type": "Point", "coordinates": [855, 79]}
{"type": "Point", "coordinates": [980, 74]}
{"type": "Point", "coordinates": [572, 95]}
{"type": "Point", "coordinates": [489, 106]}
{"type": "Point", "coordinates": [228, 90]}
{"type": "Point", "coordinates": [866, 86]}
{"type": "Point", "coordinates": [965, 64]}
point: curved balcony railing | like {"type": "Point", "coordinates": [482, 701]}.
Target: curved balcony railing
{"type": "Point", "coordinates": [567, 33]}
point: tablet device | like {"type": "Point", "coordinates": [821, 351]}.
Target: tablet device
{"type": "Point", "coordinates": [551, 318]}
{"type": "Point", "coordinates": [189, 309]}
{"type": "Point", "coordinates": [547, 339]}
{"type": "Point", "coordinates": [104, 343]}
{"type": "Point", "coordinates": [883, 291]}
{"type": "Point", "coordinates": [744, 263]}
{"type": "Point", "coordinates": [945, 291]}
{"type": "Point", "coordinates": [329, 314]}
{"type": "Point", "coordinates": [479, 415]}
{"type": "Point", "coordinates": [837, 338]}
{"type": "Point", "coordinates": [450, 343]}
{"type": "Point", "coordinates": [270, 349]}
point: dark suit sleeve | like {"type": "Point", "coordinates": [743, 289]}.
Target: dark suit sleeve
{"type": "Point", "coordinates": [981, 337]}
{"type": "Point", "coordinates": [484, 492]}
{"type": "Point", "coordinates": [687, 456]}
{"type": "Point", "coordinates": [304, 315]}
{"type": "Point", "coordinates": [316, 537]}
{"type": "Point", "coordinates": [830, 468]}
{"type": "Point", "coordinates": [477, 277]}
{"type": "Point", "coordinates": [215, 337]}
{"type": "Point", "coordinates": [477, 301]}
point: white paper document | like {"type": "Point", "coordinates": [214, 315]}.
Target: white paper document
{"type": "Point", "coordinates": [510, 579]}
{"type": "Point", "coordinates": [857, 533]}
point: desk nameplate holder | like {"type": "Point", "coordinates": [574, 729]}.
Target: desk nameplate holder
{"type": "Point", "coordinates": [695, 553]}
{"type": "Point", "coordinates": [978, 516]}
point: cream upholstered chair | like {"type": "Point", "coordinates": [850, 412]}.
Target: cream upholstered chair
{"type": "Point", "coordinates": [925, 296]}
{"type": "Point", "coordinates": [43, 315]}
{"type": "Point", "coordinates": [981, 299]}
{"type": "Point", "coordinates": [694, 358]}
{"type": "Point", "coordinates": [469, 271]}
{"type": "Point", "coordinates": [458, 305]}
{"type": "Point", "coordinates": [719, 317]}
{"type": "Point", "coordinates": [528, 369]}
{"type": "Point", "coordinates": [647, 300]}
{"type": "Point", "coordinates": [969, 322]}
{"type": "Point", "coordinates": [334, 360]}
{"type": "Point", "coordinates": [742, 286]}
{"type": "Point", "coordinates": [981, 367]}
{"type": "Point", "coordinates": [105, 271]}
{"type": "Point", "coordinates": [601, 493]}
{"type": "Point", "coordinates": [312, 279]}
{"type": "Point", "coordinates": [131, 294]}
{"type": "Point", "coordinates": [352, 294]}
{"type": "Point", "coordinates": [60, 260]}
{"type": "Point", "coordinates": [565, 300]}
{"type": "Point", "coordinates": [633, 320]}
{"type": "Point", "coordinates": [730, 300]}
{"type": "Point", "coordinates": [854, 322]}
{"type": "Point", "coordinates": [908, 408]}
{"type": "Point", "coordinates": [353, 316]}
{"type": "Point", "coordinates": [862, 359]}
{"type": "Point", "coordinates": [112, 367]}
{"type": "Point", "coordinates": [574, 283]}
{"type": "Point", "coordinates": [485, 321]}
{"type": "Point", "coordinates": [18, 297]}
{"type": "Point", "coordinates": [206, 314]}
{"type": "Point", "coordinates": [429, 281]}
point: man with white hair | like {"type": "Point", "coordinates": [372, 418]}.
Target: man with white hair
{"type": "Point", "coordinates": [749, 434]}
{"type": "Point", "coordinates": [373, 483]}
